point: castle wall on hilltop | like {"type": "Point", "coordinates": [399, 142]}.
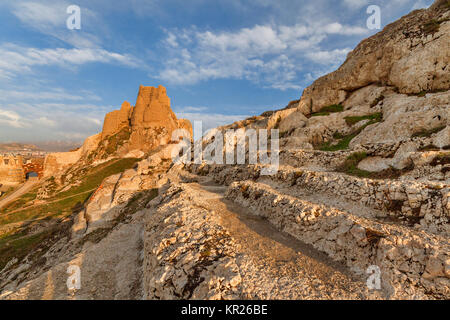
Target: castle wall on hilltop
{"type": "Point", "coordinates": [11, 170]}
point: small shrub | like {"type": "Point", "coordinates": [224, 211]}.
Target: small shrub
{"type": "Point", "coordinates": [350, 165]}
{"type": "Point", "coordinates": [342, 144]}
{"type": "Point", "coordinates": [325, 111]}
{"type": "Point", "coordinates": [422, 94]}
{"type": "Point", "coordinates": [431, 26]}
{"type": "Point", "coordinates": [373, 236]}
{"type": "Point", "coordinates": [376, 117]}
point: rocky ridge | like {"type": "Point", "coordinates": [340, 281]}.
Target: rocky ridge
{"type": "Point", "coordinates": [364, 180]}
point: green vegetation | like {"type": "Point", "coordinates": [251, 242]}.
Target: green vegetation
{"type": "Point", "coordinates": [342, 144]}
{"type": "Point", "coordinates": [427, 133]}
{"type": "Point", "coordinates": [350, 165]}
{"type": "Point", "coordinates": [8, 191]}
{"type": "Point", "coordinates": [375, 117]}
{"type": "Point", "coordinates": [62, 203]}
{"type": "Point", "coordinates": [422, 94]}
{"type": "Point", "coordinates": [115, 141]}
{"type": "Point", "coordinates": [344, 140]}
{"type": "Point", "coordinates": [325, 111]}
{"type": "Point", "coordinates": [432, 26]}
{"type": "Point", "coordinates": [18, 246]}
{"type": "Point", "coordinates": [19, 242]}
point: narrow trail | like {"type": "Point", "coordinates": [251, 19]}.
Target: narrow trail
{"type": "Point", "coordinates": [19, 192]}
{"type": "Point", "coordinates": [296, 269]}
{"type": "Point", "coordinates": [50, 202]}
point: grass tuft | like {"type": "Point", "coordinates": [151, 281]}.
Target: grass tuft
{"type": "Point", "coordinates": [325, 111]}
{"type": "Point", "coordinates": [344, 140]}
{"type": "Point", "coordinates": [376, 117]}
{"type": "Point", "coordinates": [350, 165]}
{"type": "Point", "coordinates": [431, 26]}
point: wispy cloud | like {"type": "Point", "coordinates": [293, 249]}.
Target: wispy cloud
{"type": "Point", "coordinates": [267, 54]}
{"type": "Point", "coordinates": [16, 59]}
{"type": "Point", "coordinates": [56, 94]}
{"type": "Point", "coordinates": [10, 118]}
{"type": "Point", "coordinates": [50, 121]}
{"type": "Point", "coordinates": [49, 17]}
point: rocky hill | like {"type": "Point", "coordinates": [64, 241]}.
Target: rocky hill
{"type": "Point", "coordinates": [128, 132]}
{"type": "Point", "coordinates": [363, 185]}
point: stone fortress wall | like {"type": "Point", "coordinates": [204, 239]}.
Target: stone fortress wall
{"type": "Point", "coordinates": [11, 170]}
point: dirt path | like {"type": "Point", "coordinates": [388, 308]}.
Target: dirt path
{"type": "Point", "coordinates": [19, 192]}
{"type": "Point", "coordinates": [294, 270]}
{"type": "Point", "coordinates": [54, 201]}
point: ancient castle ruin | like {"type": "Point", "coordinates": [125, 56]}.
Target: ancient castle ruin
{"type": "Point", "coordinates": [15, 170]}
{"type": "Point", "coordinates": [11, 170]}
{"type": "Point", "coordinates": [131, 131]}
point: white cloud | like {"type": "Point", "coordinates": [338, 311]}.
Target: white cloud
{"type": "Point", "coordinates": [44, 121]}
{"type": "Point", "coordinates": [38, 14]}
{"type": "Point", "coordinates": [10, 118]}
{"type": "Point", "coordinates": [50, 120]}
{"type": "Point", "coordinates": [356, 4]}
{"type": "Point", "coordinates": [49, 17]}
{"type": "Point", "coordinates": [189, 109]}
{"type": "Point", "coordinates": [266, 54]}
{"type": "Point", "coordinates": [333, 57]}
{"type": "Point", "coordinates": [420, 4]}
{"type": "Point", "coordinates": [56, 94]}
{"type": "Point", "coordinates": [15, 59]}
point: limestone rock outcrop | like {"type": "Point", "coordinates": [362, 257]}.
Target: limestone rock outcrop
{"type": "Point", "coordinates": [390, 97]}
{"type": "Point", "coordinates": [410, 54]}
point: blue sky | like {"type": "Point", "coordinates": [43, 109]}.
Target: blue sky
{"type": "Point", "coordinates": [220, 60]}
